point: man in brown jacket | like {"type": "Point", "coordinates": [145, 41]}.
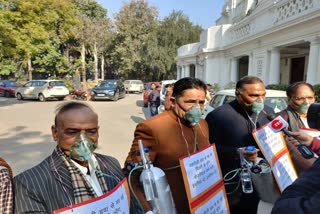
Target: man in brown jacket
{"type": "Point", "coordinates": [171, 135]}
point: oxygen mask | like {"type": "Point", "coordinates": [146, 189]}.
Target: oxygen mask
{"type": "Point", "coordinates": [194, 115]}
{"type": "Point", "coordinates": [82, 148]}
{"type": "Point", "coordinates": [257, 106]}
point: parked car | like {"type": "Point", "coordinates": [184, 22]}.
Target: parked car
{"type": "Point", "coordinates": [8, 88]}
{"type": "Point", "coordinates": [147, 91]}
{"type": "Point", "coordinates": [108, 90]}
{"type": "Point", "coordinates": [42, 90]}
{"type": "Point", "coordinates": [133, 86]}
{"type": "Point", "coordinates": [276, 99]}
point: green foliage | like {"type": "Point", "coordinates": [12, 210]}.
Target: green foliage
{"type": "Point", "coordinates": [230, 85]}
{"type": "Point", "coordinates": [282, 87]}
{"type": "Point", "coordinates": [317, 92]}
{"type": "Point", "coordinates": [7, 67]}
{"type": "Point", "coordinates": [50, 34]}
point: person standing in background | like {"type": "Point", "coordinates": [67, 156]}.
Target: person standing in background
{"type": "Point", "coordinates": [300, 96]}
{"type": "Point", "coordinates": [154, 100]}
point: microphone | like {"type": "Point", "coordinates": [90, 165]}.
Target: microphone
{"type": "Point", "coordinates": [304, 150]}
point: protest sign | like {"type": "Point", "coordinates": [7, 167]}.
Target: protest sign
{"type": "Point", "coordinates": [204, 183]}
{"type": "Point", "coordinates": [272, 144]}
{"type": "Point", "coordinates": [116, 200]}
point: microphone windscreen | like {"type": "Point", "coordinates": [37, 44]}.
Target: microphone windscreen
{"type": "Point", "coordinates": [313, 116]}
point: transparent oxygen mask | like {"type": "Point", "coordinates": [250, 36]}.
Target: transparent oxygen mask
{"type": "Point", "coordinates": [194, 115]}
{"type": "Point", "coordinates": [82, 148]}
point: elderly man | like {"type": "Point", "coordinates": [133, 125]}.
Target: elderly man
{"type": "Point", "coordinates": [171, 135]}
{"type": "Point", "coordinates": [72, 173]}
{"type": "Point", "coordinates": [230, 127]}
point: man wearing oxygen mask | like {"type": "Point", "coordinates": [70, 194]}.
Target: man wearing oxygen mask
{"type": "Point", "coordinates": [72, 173]}
{"type": "Point", "coordinates": [230, 127]}
{"type": "Point", "coordinates": [169, 136]}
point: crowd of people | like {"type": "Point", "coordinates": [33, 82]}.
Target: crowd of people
{"type": "Point", "coordinates": [74, 173]}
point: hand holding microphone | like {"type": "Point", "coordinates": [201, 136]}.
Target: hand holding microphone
{"type": "Point", "coordinates": [304, 150]}
{"type": "Point", "coordinates": [298, 137]}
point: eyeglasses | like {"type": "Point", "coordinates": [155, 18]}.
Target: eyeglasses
{"type": "Point", "coordinates": [304, 98]}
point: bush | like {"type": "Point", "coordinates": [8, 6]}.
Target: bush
{"type": "Point", "coordinates": [317, 92]}
{"type": "Point", "coordinates": [282, 87]}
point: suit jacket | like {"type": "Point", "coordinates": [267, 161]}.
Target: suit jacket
{"type": "Point", "coordinates": [167, 142]}
{"type": "Point", "coordinates": [48, 187]}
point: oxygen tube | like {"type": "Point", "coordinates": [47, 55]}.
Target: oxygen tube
{"type": "Point", "coordinates": [155, 185]}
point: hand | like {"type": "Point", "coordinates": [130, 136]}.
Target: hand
{"type": "Point", "coordinates": [300, 137]}
{"type": "Point", "coordinates": [149, 212]}
{"type": "Point", "coordinates": [250, 155]}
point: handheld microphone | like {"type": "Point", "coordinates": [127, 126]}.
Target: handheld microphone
{"type": "Point", "coordinates": [304, 150]}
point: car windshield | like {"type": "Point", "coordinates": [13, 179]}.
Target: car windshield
{"type": "Point", "coordinates": [10, 84]}
{"type": "Point", "coordinates": [108, 84]}
{"type": "Point", "coordinates": [57, 83]}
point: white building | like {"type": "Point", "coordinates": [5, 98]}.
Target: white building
{"type": "Point", "coordinates": [276, 40]}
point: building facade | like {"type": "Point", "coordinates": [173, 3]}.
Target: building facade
{"type": "Point", "coordinates": [276, 40]}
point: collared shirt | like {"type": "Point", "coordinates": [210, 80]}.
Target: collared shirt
{"type": "Point", "coordinates": [6, 194]}
{"type": "Point", "coordinates": [92, 177]}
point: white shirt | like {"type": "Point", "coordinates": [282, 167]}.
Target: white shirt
{"type": "Point", "coordinates": [92, 178]}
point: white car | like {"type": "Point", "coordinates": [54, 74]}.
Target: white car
{"type": "Point", "coordinates": [133, 86]}
{"type": "Point", "coordinates": [42, 90]}
{"type": "Point", "coordinates": [276, 99]}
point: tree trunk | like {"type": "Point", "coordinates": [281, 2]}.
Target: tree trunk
{"type": "Point", "coordinates": [95, 56]}
{"type": "Point", "coordinates": [102, 67]}
{"type": "Point", "coordinates": [83, 62]}
{"type": "Point", "coordinates": [29, 69]}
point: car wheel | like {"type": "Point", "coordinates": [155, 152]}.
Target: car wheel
{"type": "Point", "coordinates": [41, 98]}
{"type": "Point", "coordinates": [6, 94]}
{"type": "Point", "coordinates": [116, 96]}
{"type": "Point", "coordinates": [19, 96]}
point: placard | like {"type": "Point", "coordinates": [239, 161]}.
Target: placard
{"type": "Point", "coordinates": [273, 146]}
{"type": "Point", "coordinates": [115, 201]}
{"type": "Point", "coordinates": [204, 183]}
{"type": "Point", "coordinates": [311, 132]}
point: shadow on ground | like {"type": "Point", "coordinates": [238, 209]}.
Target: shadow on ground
{"type": "Point", "coordinates": [22, 149]}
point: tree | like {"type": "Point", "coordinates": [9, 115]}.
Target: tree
{"type": "Point", "coordinates": [136, 24]}
{"type": "Point", "coordinates": [174, 31]}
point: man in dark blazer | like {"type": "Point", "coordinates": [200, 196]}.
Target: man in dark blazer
{"type": "Point", "coordinates": [69, 175]}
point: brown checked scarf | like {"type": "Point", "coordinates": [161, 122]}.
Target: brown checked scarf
{"type": "Point", "coordinates": [82, 189]}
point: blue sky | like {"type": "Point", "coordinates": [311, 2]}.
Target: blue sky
{"type": "Point", "coordinates": [202, 12]}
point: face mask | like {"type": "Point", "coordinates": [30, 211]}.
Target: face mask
{"type": "Point", "coordinates": [303, 108]}
{"type": "Point", "coordinates": [82, 148]}
{"type": "Point", "coordinates": [257, 106]}
{"type": "Point", "coordinates": [194, 114]}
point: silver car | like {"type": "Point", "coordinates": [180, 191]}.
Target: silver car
{"type": "Point", "coordinates": [42, 90]}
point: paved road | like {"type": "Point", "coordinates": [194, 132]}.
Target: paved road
{"type": "Point", "coordinates": [25, 134]}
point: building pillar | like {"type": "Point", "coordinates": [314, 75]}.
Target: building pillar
{"type": "Point", "coordinates": [187, 71]}
{"type": "Point", "coordinates": [178, 72]}
{"type": "Point", "coordinates": [250, 63]}
{"type": "Point", "coordinates": [274, 73]}
{"type": "Point", "coordinates": [234, 70]}
{"type": "Point", "coordinates": [313, 63]}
